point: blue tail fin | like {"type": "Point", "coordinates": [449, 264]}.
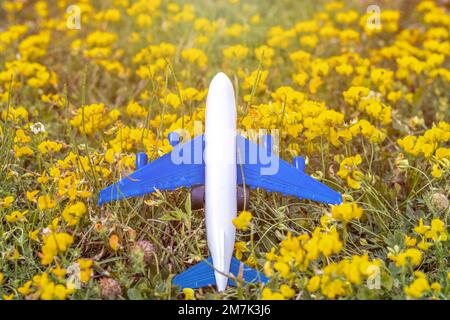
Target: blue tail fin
{"type": "Point", "coordinates": [202, 275]}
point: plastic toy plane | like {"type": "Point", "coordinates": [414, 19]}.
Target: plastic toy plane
{"type": "Point", "coordinates": [230, 160]}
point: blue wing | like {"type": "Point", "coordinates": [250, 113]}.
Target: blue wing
{"type": "Point", "coordinates": [259, 169]}
{"type": "Point", "coordinates": [183, 167]}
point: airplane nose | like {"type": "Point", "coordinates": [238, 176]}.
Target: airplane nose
{"type": "Point", "coordinates": [221, 79]}
{"type": "Point", "coordinates": [221, 105]}
{"type": "Point", "coordinates": [221, 92]}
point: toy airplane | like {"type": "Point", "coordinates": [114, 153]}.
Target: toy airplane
{"type": "Point", "coordinates": [229, 160]}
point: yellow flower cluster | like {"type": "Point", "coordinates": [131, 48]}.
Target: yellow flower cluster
{"type": "Point", "coordinates": [93, 118]}
{"type": "Point", "coordinates": [195, 56]}
{"type": "Point", "coordinates": [242, 222]}
{"type": "Point", "coordinates": [337, 278]}
{"type": "Point", "coordinates": [54, 243]}
{"type": "Point", "coordinates": [16, 216]}
{"type": "Point", "coordinates": [73, 213]}
{"type": "Point", "coordinates": [428, 145]}
{"type": "Point", "coordinates": [411, 256]}
{"type": "Point", "coordinates": [298, 252]}
{"type": "Point", "coordinates": [42, 286]}
{"type": "Point", "coordinates": [348, 170]}
{"type": "Point", "coordinates": [236, 52]}
{"type": "Point", "coordinates": [420, 286]}
{"type": "Point", "coordinates": [49, 147]}
{"type": "Point", "coordinates": [346, 212]}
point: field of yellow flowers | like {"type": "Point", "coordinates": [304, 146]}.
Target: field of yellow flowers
{"type": "Point", "coordinates": [86, 85]}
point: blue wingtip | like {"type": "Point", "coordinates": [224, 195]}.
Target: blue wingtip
{"type": "Point", "coordinates": [109, 194]}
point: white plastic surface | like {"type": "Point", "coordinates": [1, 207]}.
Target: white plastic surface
{"type": "Point", "coordinates": [220, 174]}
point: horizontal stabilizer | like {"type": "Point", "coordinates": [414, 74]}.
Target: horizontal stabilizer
{"type": "Point", "coordinates": [197, 276]}
{"type": "Point", "coordinates": [202, 275]}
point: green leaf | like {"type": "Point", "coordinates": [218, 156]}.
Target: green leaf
{"type": "Point", "coordinates": [174, 215]}
{"type": "Point", "coordinates": [134, 294]}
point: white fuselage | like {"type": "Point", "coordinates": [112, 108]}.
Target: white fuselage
{"type": "Point", "coordinates": [220, 175]}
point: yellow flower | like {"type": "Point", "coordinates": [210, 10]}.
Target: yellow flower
{"type": "Point", "coordinates": [348, 169]}
{"type": "Point", "coordinates": [271, 256]}
{"type": "Point", "coordinates": [133, 109]}
{"type": "Point", "coordinates": [313, 284]}
{"type": "Point", "coordinates": [189, 294]}
{"type": "Point", "coordinates": [22, 151]}
{"type": "Point", "coordinates": [240, 247]}
{"type": "Point", "coordinates": [7, 201]}
{"type": "Point", "coordinates": [300, 78]}
{"type": "Point", "coordinates": [268, 270]}
{"type": "Point", "coordinates": [12, 254]}
{"type": "Point", "coordinates": [410, 242]}
{"type": "Point", "coordinates": [383, 78]}
{"type": "Point", "coordinates": [309, 41]}
{"type": "Point", "coordinates": [329, 243]}
{"type": "Point", "coordinates": [49, 147]}
{"type": "Point", "coordinates": [172, 100]}
{"type": "Point", "coordinates": [114, 242]}
{"type": "Point", "coordinates": [283, 268]}
{"type": "Point", "coordinates": [354, 94]}
{"type": "Point", "coordinates": [33, 235]}
{"type": "Point", "coordinates": [16, 216]}
{"type": "Point", "coordinates": [86, 271]}
{"type": "Point", "coordinates": [334, 288]}
{"type": "Point", "coordinates": [437, 232]}
{"type": "Point", "coordinates": [72, 213]}
{"type": "Point", "coordinates": [251, 261]}
{"type": "Point", "coordinates": [195, 56]}
{"type": "Point", "coordinates": [10, 297]}
{"type": "Point", "coordinates": [268, 294]}
{"type": "Point", "coordinates": [236, 52]}
{"type": "Point", "coordinates": [417, 288]}
{"type": "Point", "coordinates": [59, 272]}
{"type": "Point", "coordinates": [255, 19]}
{"type": "Point", "coordinates": [265, 54]}
{"type": "Point", "coordinates": [25, 289]}
{"type": "Point", "coordinates": [411, 255]}
{"type": "Point", "coordinates": [101, 39]}
{"type": "Point", "coordinates": [21, 137]}
{"type": "Point", "coordinates": [288, 95]}
{"type": "Point", "coordinates": [421, 228]}
{"type": "Point", "coordinates": [1, 277]}
{"type": "Point", "coordinates": [436, 287]}
{"type": "Point", "coordinates": [15, 114]}
{"type": "Point", "coordinates": [287, 291]}
{"type": "Point", "coordinates": [48, 290]}
{"type": "Point", "coordinates": [45, 202]}
{"type": "Point", "coordinates": [346, 212]}
{"type": "Point", "coordinates": [31, 195]}
{"type": "Point", "coordinates": [91, 118]}
{"type": "Point", "coordinates": [235, 30]}
{"type": "Point", "coordinates": [242, 222]}
{"type": "Point", "coordinates": [54, 243]}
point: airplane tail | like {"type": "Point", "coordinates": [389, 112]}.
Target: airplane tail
{"type": "Point", "coordinates": [202, 275]}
